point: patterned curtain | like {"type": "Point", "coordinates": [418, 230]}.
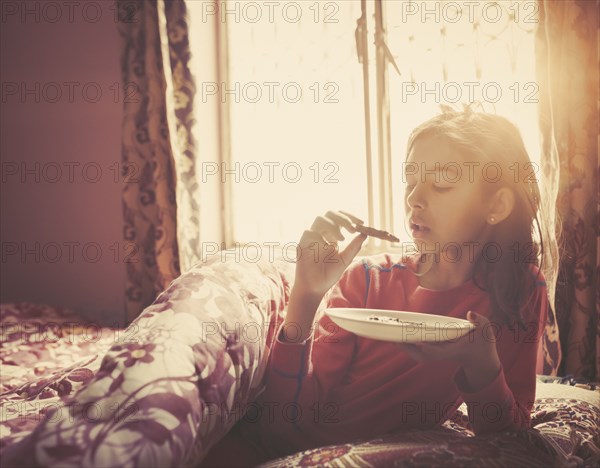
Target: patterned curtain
{"type": "Point", "coordinates": [567, 66]}
{"type": "Point", "coordinates": [157, 147]}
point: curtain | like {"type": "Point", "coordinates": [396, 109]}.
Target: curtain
{"type": "Point", "coordinates": [157, 147]}
{"type": "Point", "coordinates": [567, 68]}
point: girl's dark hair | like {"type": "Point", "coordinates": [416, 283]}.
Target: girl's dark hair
{"type": "Point", "coordinates": [510, 279]}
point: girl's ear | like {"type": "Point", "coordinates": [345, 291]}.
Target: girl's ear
{"type": "Point", "coordinates": [501, 205]}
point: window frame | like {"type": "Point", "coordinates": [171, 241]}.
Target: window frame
{"type": "Point", "coordinates": [377, 127]}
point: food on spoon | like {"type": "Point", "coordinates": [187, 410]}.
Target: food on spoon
{"type": "Point", "coordinates": [369, 231]}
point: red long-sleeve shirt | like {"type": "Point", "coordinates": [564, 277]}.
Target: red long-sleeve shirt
{"type": "Point", "coordinates": [336, 386]}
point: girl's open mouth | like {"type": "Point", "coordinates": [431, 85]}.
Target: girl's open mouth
{"type": "Point", "coordinates": [418, 229]}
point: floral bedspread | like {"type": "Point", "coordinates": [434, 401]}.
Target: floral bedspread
{"type": "Point", "coordinates": [159, 393]}
{"type": "Point", "coordinates": [163, 391]}
{"type": "Point", "coordinates": [565, 433]}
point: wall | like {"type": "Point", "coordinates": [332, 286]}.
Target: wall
{"type": "Point", "coordinates": [61, 216]}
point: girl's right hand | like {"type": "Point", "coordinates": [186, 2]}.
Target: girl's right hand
{"type": "Point", "coordinates": [320, 263]}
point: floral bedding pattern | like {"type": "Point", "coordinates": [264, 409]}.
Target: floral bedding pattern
{"type": "Point", "coordinates": [565, 432]}
{"type": "Point", "coordinates": [159, 393]}
{"type": "Point", "coordinates": [166, 389]}
{"type": "Point", "coordinates": [46, 353]}
{"type": "Point", "coordinates": [435, 448]}
{"type": "Point", "coordinates": [38, 340]}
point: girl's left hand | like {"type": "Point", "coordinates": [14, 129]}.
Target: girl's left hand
{"type": "Point", "coordinates": [474, 351]}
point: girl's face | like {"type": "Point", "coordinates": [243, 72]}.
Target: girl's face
{"type": "Point", "coordinates": [445, 202]}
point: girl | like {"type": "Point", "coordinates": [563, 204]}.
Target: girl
{"type": "Point", "coordinates": [476, 259]}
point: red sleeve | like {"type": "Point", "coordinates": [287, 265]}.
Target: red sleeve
{"type": "Point", "coordinates": [505, 403]}
{"type": "Point", "coordinates": [302, 375]}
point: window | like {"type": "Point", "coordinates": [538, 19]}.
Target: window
{"type": "Point", "coordinates": [316, 115]}
{"type": "Point", "coordinates": [297, 131]}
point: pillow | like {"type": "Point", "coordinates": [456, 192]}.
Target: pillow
{"type": "Point", "coordinates": [565, 432]}
{"type": "Point", "coordinates": [179, 377]}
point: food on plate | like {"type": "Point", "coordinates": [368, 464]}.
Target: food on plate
{"type": "Point", "coordinates": [386, 319]}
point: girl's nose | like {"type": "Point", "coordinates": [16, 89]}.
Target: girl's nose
{"type": "Point", "coordinates": [415, 197]}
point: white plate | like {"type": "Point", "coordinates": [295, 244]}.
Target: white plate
{"type": "Point", "coordinates": [399, 326]}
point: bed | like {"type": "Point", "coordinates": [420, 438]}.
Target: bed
{"type": "Point", "coordinates": [165, 390]}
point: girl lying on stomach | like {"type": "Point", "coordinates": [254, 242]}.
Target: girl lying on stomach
{"type": "Point", "coordinates": [475, 259]}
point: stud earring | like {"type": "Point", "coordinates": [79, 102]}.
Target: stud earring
{"type": "Point", "coordinates": [492, 220]}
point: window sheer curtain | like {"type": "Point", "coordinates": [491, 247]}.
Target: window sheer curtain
{"type": "Point", "coordinates": [458, 53]}
{"type": "Point", "coordinates": [159, 206]}
{"type": "Point", "coordinates": [567, 64]}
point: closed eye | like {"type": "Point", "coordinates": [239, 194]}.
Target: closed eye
{"type": "Point", "coordinates": [410, 187]}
